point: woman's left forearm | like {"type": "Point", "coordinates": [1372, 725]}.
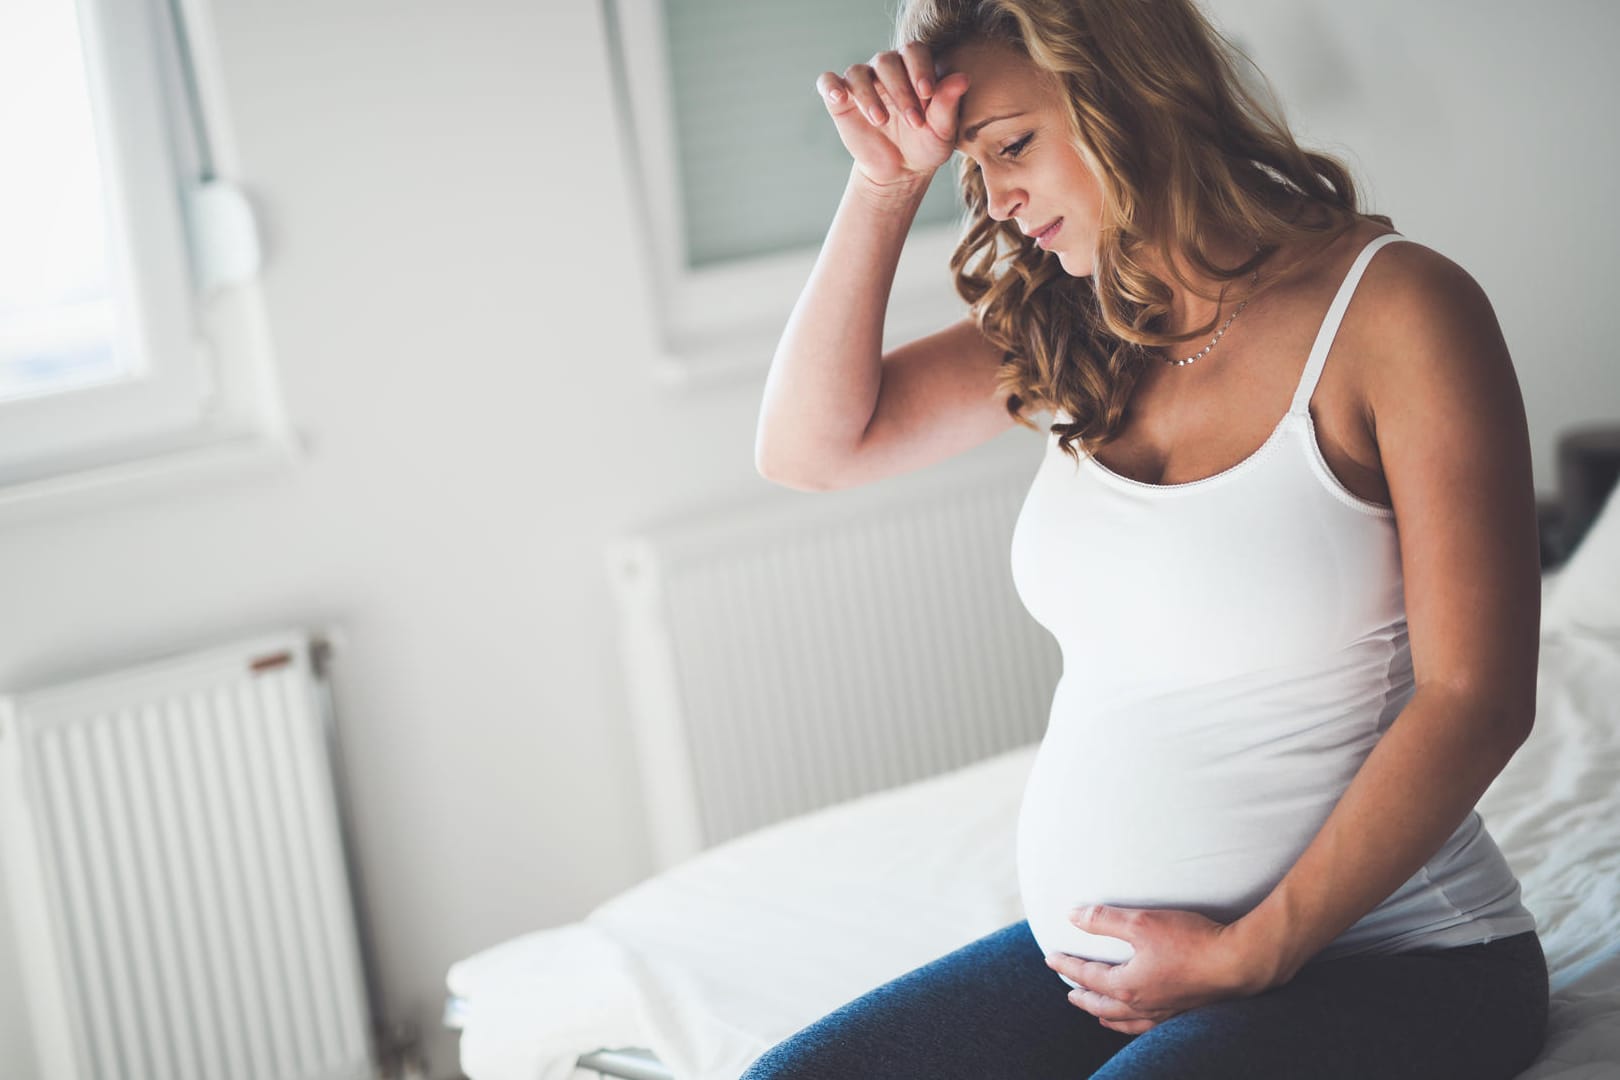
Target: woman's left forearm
{"type": "Point", "coordinates": [1417, 785]}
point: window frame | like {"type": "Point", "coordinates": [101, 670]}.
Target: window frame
{"type": "Point", "coordinates": [724, 320]}
{"type": "Point", "coordinates": [206, 400]}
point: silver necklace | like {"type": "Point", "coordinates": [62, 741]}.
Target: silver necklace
{"type": "Point", "coordinates": [1218, 333]}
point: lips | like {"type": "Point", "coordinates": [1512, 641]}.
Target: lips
{"type": "Point", "coordinates": [1043, 237]}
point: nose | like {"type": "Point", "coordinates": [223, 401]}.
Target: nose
{"type": "Point", "coordinates": [1001, 200]}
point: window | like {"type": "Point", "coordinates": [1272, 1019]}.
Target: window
{"type": "Point", "coordinates": [738, 170]}
{"type": "Point", "coordinates": [129, 340]}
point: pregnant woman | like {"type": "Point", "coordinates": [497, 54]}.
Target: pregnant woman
{"type": "Point", "coordinates": [1284, 532]}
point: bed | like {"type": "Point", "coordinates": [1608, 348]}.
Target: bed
{"type": "Point", "coordinates": [694, 972]}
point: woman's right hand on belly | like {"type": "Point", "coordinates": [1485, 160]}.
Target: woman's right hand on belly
{"type": "Point", "coordinates": [894, 121]}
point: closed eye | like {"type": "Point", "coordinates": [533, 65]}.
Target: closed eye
{"type": "Point", "coordinates": [1016, 148]}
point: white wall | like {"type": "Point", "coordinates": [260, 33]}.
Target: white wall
{"type": "Point", "coordinates": [1486, 131]}
{"type": "Point", "coordinates": [452, 293]}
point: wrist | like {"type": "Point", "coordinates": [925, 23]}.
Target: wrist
{"type": "Point", "coordinates": [1261, 957]}
{"type": "Point", "coordinates": [900, 192]}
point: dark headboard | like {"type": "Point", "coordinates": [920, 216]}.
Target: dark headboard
{"type": "Point", "coordinates": [1588, 469]}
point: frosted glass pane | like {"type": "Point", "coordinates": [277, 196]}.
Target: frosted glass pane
{"type": "Point", "coordinates": [57, 316]}
{"type": "Point", "coordinates": [761, 165]}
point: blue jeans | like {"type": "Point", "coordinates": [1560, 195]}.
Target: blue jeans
{"type": "Point", "coordinates": [993, 1010]}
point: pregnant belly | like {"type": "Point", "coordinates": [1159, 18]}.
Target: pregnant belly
{"type": "Point", "coordinates": [1137, 811]}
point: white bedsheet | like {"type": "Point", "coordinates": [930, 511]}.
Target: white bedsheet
{"type": "Point", "coordinates": [713, 961]}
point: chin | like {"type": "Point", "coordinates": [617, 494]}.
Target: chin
{"type": "Point", "coordinates": [1073, 266]}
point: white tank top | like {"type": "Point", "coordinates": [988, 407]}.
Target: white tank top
{"type": "Point", "coordinates": [1233, 647]}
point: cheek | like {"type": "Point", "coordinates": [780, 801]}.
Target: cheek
{"type": "Point", "coordinates": [1083, 185]}
{"type": "Point", "coordinates": [1089, 195]}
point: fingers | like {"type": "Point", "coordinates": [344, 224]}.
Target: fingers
{"type": "Point", "coordinates": [1107, 921]}
{"type": "Point", "coordinates": [942, 109]}
{"type": "Point", "coordinates": [1094, 994]}
{"type": "Point", "coordinates": [1128, 1027]}
{"type": "Point", "coordinates": [1113, 1011]}
{"type": "Point", "coordinates": [1102, 1006]}
{"type": "Point", "coordinates": [894, 117]}
{"type": "Point", "coordinates": [861, 79]}
{"type": "Point", "coordinates": [895, 80]}
{"type": "Point", "coordinates": [919, 70]}
{"type": "Point", "coordinates": [835, 93]}
{"type": "Point", "coordinates": [1092, 973]}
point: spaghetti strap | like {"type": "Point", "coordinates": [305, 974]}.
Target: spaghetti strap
{"type": "Point", "coordinates": [1330, 323]}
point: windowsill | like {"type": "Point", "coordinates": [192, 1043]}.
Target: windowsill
{"type": "Point", "coordinates": [701, 362]}
{"type": "Point", "coordinates": [227, 457]}
{"type": "Point", "coordinates": [724, 322]}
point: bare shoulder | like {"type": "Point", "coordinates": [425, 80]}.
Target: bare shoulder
{"type": "Point", "coordinates": [1454, 445]}
{"type": "Point", "coordinates": [1423, 318]}
{"type": "Point", "coordinates": [1444, 407]}
{"type": "Point", "coordinates": [1414, 279]}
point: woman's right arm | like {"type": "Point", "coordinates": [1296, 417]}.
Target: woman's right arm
{"type": "Point", "coordinates": [837, 412]}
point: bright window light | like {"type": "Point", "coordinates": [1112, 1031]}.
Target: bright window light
{"type": "Point", "coordinates": [58, 323]}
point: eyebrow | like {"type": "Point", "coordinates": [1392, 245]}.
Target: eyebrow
{"type": "Point", "coordinates": [971, 133]}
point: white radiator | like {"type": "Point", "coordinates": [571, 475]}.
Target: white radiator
{"type": "Point", "coordinates": [173, 844]}
{"type": "Point", "coordinates": [817, 647]}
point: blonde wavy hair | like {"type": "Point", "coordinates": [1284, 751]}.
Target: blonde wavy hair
{"type": "Point", "coordinates": [1180, 146]}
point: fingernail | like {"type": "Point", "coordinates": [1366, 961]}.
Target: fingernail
{"type": "Point", "coordinates": [915, 117]}
{"type": "Point", "coordinates": [878, 115]}
{"type": "Point", "coordinates": [924, 87]}
{"type": "Point", "coordinates": [836, 94]}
